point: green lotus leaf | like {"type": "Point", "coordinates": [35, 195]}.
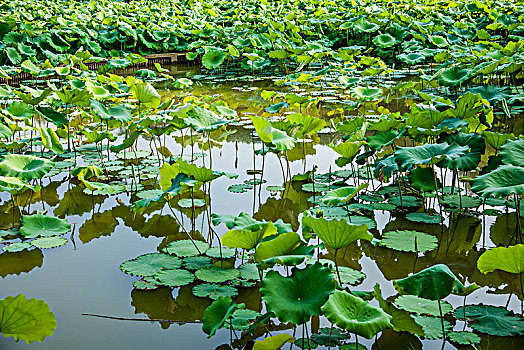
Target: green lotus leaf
{"type": "Point", "coordinates": [347, 149]}
{"type": "Point", "coordinates": [492, 94]}
{"type": "Point", "coordinates": [281, 245]}
{"type": "Point", "coordinates": [427, 154]}
{"type": "Point", "coordinates": [144, 285]}
{"type": "Point", "coordinates": [367, 93]}
{"type": "Point", "coordinates": [342, 194]}
{"type": "Point", "coordinates": [421, 306]}
{"type": "Point", "coordinates": [513, 152]}
{"type": "Point", "coordinates": [432, 326]}
{"type": "Point", "coordinates": [150, 264]}
{"type": "Point", "coordinates": [273, 343]}
{"type": "Point", "coordinates": [246, 239]}
{"type": "Point", "coordinates": [48, 242]}
{"type": "Point", "coordinates": [214, 291]}
{"type": "Point", "coordinates": [337, 233]}
{"type": "Point", "coordinates": [174, 278]}
{"type": "Point", "coordinates": [383, 139]}
{"type": "Point", "coordinates": [30, 320]}
{"type": "Point", "coordinates": [501, 182]}
{"type": "Point", "coordinates": [17, 247]}
{"type": "Point", "coordinates": [186, 247]}
{"type": "Point", "coordinates": [464, 338]}
{"type": "Point", "coordinates": [55, 117]}
{"type": "Point", "coordinates": [202, 119]}
{"type": "Point", "coordinates": [411, 58]}
{"type": "Point", "coordinates": [424, 217]}
{"type": "Point", "coordinates": [275, 108]}
{"type": "Point", "coordinates": [216, 315]}
{"type": "Point", "coordinates": [434, 283]}
{"type": "Point", "coordinates": [40, 225]}
{"type": "Point", "coordinates": [470, 160]}
{"type": "Point", "coordinates": [384, 41]}
{"type": "Point", "coordinates": [355, 315]}
{"type": "Point", "coordinates": [424, 179]}
{"type": "Point", "coordinates": [50, 140]}
{"type": "Point", "coordinates": [350, 276]}
{"type": "Point", "coordinates": [19, 110]}
{"type": "Point", "coordinates": [249, 271]}
{"type": "Point", "coordinates": [213, 58]}
{"type": "Point", "coordinates": [461, 201]}
{"type": "Point", "coordinates": [364, 26]}
{"type": "Point", "coordinates": [270, 135]}
{"type": "Point", "coordinates": [191, 202]}
{"type": "Point", "coordinates": [298, 297]}
{"type": "Point", "coordinates": [119, 113]}
{"type": "Point", "coordinates": [146, 94]}
{"type": "Point", "coordinates": [25, 167]}
{"type": "Point", "coordinates": [409, 241]}
{"type": "Point", "coordinates": [454, 76]}
{"type": "Point", "coordinates": [14, 185]}
{"type": "Point", "coordinates": [221, 252]}
{"type": "Point", "coordinates": [491, 320]}
{"type": "Point", "coordinates": [438, 40]}
{"type": "Point", "coordinates": [217, 274]}
{"type": "Point", "coordinates": [197, 262]}
{"type": "Point", "coordinates": [509, 259]}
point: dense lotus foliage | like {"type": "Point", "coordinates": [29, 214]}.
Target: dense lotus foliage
{"type": "Point", "coordinates": [338, 174]}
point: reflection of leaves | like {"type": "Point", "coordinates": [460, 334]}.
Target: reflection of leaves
{"type": "Point", "coordinates": [159, 226]}
{"type": "Point", "coordinates": [100, 224]}
{"type": "Point", "coordinates": [501, 233]}
{"type": "Point", "coordinates": [157, 304]}
{"type": "Point", "coordinates": [130, 218]}
{"type": "Point", "coordinates": [75, 202]}
{"type": "Point", "coordinates": [16, 263]}
{"type": "Point", "coordinates": [390, 339]}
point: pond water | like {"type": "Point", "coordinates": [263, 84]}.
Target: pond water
{"type": "Point", "coordinates": [83, 276]}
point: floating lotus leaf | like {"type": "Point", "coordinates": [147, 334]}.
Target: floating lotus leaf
{"type": "Point", "coordinates": [422, 306]}
{"type": "Point", "coordinates": [39, 225]}
{"type": "Point", "coordinates": [464, 338]}
{"type": "Point", "coordinates": [17, 247]}
{"type": "Point", "coordinates": [175, 278]}
{"type": "Point", "coordinates": [48, 242]}
{"type": "Point", "coordinates": [492, 320]}
{"type": "Point", "coordinates": [432, 326]}
{"type": "Point", "coordinates": [249, 271]}
{"type": "Point", "coordinates": [350, 276]}
{"type": "Point", "coordinates": [30, 320]}
{"type": "Point", "coordinates": [503, 181]}
{"type": "Point", "coordinates": [424, 217]}
{"type": "Point", "coordinates": [510, 259]}
{"type": "Point", "coordinates": [298, 297]}
{"type": "Point", "coordinates": [355, 315]}
{"type": "Point", "coordinates": [25, 167]}
{"type": "Point", "coordinates": [217, 314]}
{"type": "Point", "coordinates": [273, 343]}
{"type": "Point", "coordinates": [221, 252]}
{"type": "Point", "coordinates": [409, 241]}
{"type": "Point", "coordinates": [434, 283]}
{"type": "Point", "coordinates": [214, 291]}
{"type": "Point", "coordinates": [461, 201]}
{"type": "Point", "coordinates": [513, 152]}
{"type": "Point", "coordinates": [197, 262]}
{"type": "Point", "coordinates": [190, 202]}
{"type": "Point", "coordinates": [337, 233]}
{"type": "Point", "coordinates": [144, 285]}
{"type": "Point", "coordinates": [424, 179]}
{"type": "Point", "coordinates": [217, 274]}
{"type": "Point", "coordinates": [239, 188]}
{"type": "Point", "coordinates": [186, 247]}
{"type": "Point", "coordinates": [150, 264]}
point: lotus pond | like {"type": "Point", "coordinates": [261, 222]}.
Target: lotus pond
{"type": "Point", "coordinates": [320, 175]}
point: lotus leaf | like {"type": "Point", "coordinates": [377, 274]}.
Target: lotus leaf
{"type": "Point", "coordinates": [278, 246]}
{"type": "Point", "coordinates": [185, 247]}
{"type": "Point", "coordinates": [40, 225]}
{"type": "Point", "coordinates": [298, 297]}
{"type": "Point", "coordinates": [150, 264]}
{"type": "Point", "coordinates": [337, 233]}
{"type": "Point", "coordinates": [214, 291]}
{"type": "Point", "coordinates": [48, 242]}
{"type": "Point", "coordinates": [513, 152]}
{"type": "Point", "coordinates": [509, 259]}
{"type": "Point", "coordinates": [30, 320]}
{"type": "Point", "coordinates": [342, 194]}
{"type": "Point", "coordinates": [217, 314]}
{"type": "Point", "coordinates": [432, 326]}
{"type": "Point", "coordinates": [355, 315]}
{"type": "Point", "coordinates": [422, 306]}
{"type": "Point", "coordinates": [492, 320]}
{"type": "Point", "coordinates": [427, 154]}
{"type": "Point", "coordinates": [217, 274]}
{"type": "Point", "coordinates": [434, 283]}
{"type": "Point", "coordinates": [174, 278]}
{"type": "Point", "coordinates": [25, 167]}
{"type": "Point", "coordinates": [409, 241]}
{"type": "Point", "coordinates": [273, 343]}
{"type": "Point", "coordinates": [503, 181]}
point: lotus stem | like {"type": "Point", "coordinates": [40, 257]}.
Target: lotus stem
{"type": "Point", "coordinates": [336, 268]}
{"type": "Point", "coordinates": [442, 321]}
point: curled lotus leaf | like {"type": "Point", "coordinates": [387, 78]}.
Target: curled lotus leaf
{"type": "Point", "coordinates": [25, 167]}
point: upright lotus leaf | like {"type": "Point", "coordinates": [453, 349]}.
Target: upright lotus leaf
{"type": "Point", "coordinates": [216, 315]}
{"type": "Point", "coordinates": [309, 125]}
{"type": "Point", "coordinates": [513, 152]}
{"type": "Point", "coordinates": [469, 160]}
{"type": "Point", "coordinates": [337, 233]}
{"type": "Point", "coordinates": [342, 194]}
{"type": "Point", "coordinates": [298, 297]}
{"type": "Point", "coordinates": [364, 26]}
{"type": "Point", "coordinates": [424, 179]}
{"type": "Point", "coordinates": [50, 140]}
{"type": "Point", "coordinates": [355, 315]}
{"type": "Point", "coordinates": [510, 259]}
{"type": "Point", "coordinates": [40, 225]}
{"type": "Point", "coordinates": [384, 41]}
{"type": "Point", "coordinates": [202, 120]}
{"type": "Point", "coordinates": [120, 113]}
{"type": "Point", "coordinates": [427, 154]}
{"type": "Point", "coordinates": [278, 246]}
{"type": "Point", "coordinates": [30, 320]}
{"type": "Point", "coordinates": [14, 185]}
{"type": "Point", "coordinates": [19, 110]}
{"type": "Point", "coordinates": [247, 239]}
{"type": "Point", "coordinates": [273, 343]}
{"type": "Point", "coordinates": [270, 135]}
{"type": "Point", "coordinates": [347, 149]}
{"type": "Point", "coordinates": [384, 139]}
{"type": "Point", "coordinates": [213, 58]}
{"type": "Point", "coordinates": [503, 181]}
{"type": "Point", "coordinates": [434, 283]}
{"type": "Point", "coordinates": [146, 94]}
{"type": "Point", "coordinates": [25, 167]}
{"type": "Point", "coordinates": [454, 76]}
